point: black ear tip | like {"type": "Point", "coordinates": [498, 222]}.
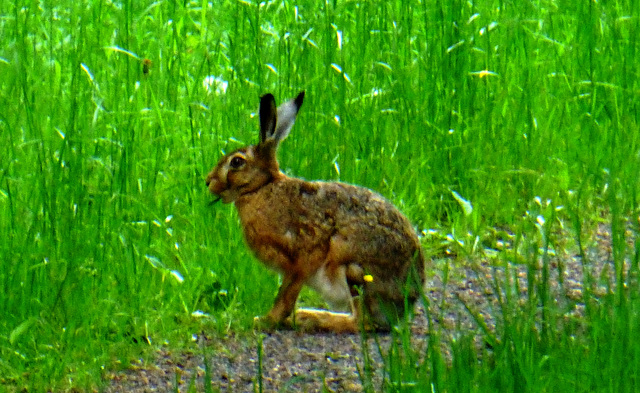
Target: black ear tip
{"type": "Point", "coordinates": [267, 104]}
{"type": "Point", "coordinates": [299, 99]}
{"type": "Point", "coordinates": [267, 98]}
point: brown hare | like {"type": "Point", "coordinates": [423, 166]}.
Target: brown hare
{"type": "Point", "coordinates": [346, 242]}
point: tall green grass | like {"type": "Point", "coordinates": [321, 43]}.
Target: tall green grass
{"type": "Point", "coordinates": [109, 246]}
{"type": "Point", "coordinates": [541, 344]}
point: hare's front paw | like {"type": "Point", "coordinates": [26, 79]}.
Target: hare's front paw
{"type": "Point", "coordinates": [264, 323]}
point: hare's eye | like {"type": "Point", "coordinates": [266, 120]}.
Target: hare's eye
{"type": "Point", "coordinates": [236, 162]}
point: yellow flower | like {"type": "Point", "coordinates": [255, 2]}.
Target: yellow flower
{"type": "Point", "coordinates": [368, 278]}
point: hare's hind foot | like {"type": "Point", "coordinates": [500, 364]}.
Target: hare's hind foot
{"type": "Point", "coordinates": [311, 320]}
{"type": "Point", "coordinates": [322, 321]}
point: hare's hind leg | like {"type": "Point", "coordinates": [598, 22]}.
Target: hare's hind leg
{"type": "Point", "coordinates": [331, 283]}
{"type": "Point", "coordinates": [384, 305]}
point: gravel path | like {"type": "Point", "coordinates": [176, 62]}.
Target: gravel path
{"type": "Point", "coordinates": [294, 361]}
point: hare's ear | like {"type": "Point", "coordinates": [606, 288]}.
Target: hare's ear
{"type": "Point", "coordinates": [267, 117]}
{"type": "Point", "coordinates": [287, 116]}
{"type": "Point", "coordinates": [275, 124]}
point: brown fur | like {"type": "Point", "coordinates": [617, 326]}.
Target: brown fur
{"type": "Point", "coordinates": [325, 235]}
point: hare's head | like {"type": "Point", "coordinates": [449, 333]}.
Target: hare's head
{"type": "Point", "coordinates": [247, 169]}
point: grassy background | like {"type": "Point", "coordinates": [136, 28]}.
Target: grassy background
{"type": "Point", "coordinates": [108, 243]}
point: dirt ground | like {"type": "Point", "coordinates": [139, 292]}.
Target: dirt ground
{"type": "Point", "coordinates": [294, 361]}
